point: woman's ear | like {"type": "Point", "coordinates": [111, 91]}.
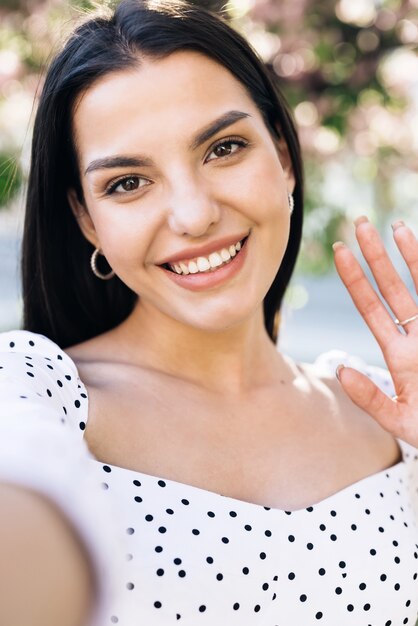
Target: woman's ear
{"type": "Point", "coordinates": [83, 218]}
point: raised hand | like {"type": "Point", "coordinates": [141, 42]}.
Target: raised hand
{"type": "Point", "coordinates": [398, 415]}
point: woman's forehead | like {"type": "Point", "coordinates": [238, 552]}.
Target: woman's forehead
{"type": "Point", "coordinates": [184, 89]}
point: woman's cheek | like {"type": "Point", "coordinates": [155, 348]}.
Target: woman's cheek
{"type": "Point", "coordinates": [269, 187]}
{"type": "Point", "coordinates": [123, 240]}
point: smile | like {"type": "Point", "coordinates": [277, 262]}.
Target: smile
{"type": "Point", "coordinates": [203, 264]}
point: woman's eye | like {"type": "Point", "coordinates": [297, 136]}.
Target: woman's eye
{"type": "Point", "coordinates": [226, 148]}
{"type": "Point", "coordinates": [127, 184]}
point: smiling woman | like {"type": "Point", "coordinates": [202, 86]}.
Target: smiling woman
{"type": "Point", "coordinates": [197, 466]}
{"type": "Point", "coordinates": [75, 306]}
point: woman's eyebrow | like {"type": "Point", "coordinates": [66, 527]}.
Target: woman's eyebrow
{"type": "Point", "coordinates": [118, 161]}
{"type": "Point", "coordinates": [225, 120]}
{"type": "Point", "coordinates": [217, 125]}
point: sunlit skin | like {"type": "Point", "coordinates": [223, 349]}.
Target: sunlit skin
{"type": "Point", "coordinates": [183, 194]}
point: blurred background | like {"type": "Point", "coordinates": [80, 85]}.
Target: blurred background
{"type": "Point", "coordinates": [349, 69]}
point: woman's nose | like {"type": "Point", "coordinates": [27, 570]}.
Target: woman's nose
{"type": "Point", "coordinates": [192, 210]}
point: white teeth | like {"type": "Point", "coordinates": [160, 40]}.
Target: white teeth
{"type": "Point", "coordinates": [225, 255]}
{"type": "Point", "coordinates": [215, 259]}
{"type": "Point", "coordinates": [203, 264]}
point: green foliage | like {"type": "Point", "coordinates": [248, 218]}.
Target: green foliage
{"type": "Point", "coordinates": [10, 178]}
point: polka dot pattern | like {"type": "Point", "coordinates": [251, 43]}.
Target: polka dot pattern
{"type": "Point", "coordinates": [190, 556]}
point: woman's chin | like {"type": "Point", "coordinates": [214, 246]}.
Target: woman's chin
{"type": "Point", "coordinates": [219, 323]}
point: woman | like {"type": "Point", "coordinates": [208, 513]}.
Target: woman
{"type": "Point", "coordinates": [246, 488]}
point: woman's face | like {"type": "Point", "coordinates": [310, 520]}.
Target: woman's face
{"type": "Point", "coordinates": [177, 167]}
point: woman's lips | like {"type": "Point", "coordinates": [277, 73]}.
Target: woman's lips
{"type": "Point", "coordinates": [213, 277]}
{"type": "Point", "coordinates": [194, 252]}
{"type": "Point", "coordinates": [206, 263]}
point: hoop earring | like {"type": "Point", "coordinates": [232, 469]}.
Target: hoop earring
{"type": "Point", "coordinates": [93, 266]}
{"type": "Point", "coordinates": [291, 202]}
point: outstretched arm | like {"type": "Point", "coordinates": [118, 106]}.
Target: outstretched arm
{"type": "Point", "coordinates": [397, 415]}
{"type": "Point", "coordinates": [45, 576]}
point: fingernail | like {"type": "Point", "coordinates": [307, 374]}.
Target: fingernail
{"type": "Point", "coordinates": [338, 244]}
{"type": "Point", "coordinates": [338, 370]}
{"type": "Point", "coordinates": [360, 220]}
{"type": "Point", "coordinates": [397, 225]}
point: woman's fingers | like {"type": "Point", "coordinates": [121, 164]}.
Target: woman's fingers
{"type": "Point", "coordinates": [391, 413]}
{"type": "Point", "coordinates": [366, 395]}
{"type": "Point", "coordinates": [390, 284]}
{"type": "Point", "coordinates": [364, 296]}
{"type": "Point", "coordinates": [408, 247]}
{"type": "Point", "coordinates": [398, 416]}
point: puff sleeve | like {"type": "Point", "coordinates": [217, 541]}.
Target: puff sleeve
{"type": "Point", "coordinates": [42, 415]}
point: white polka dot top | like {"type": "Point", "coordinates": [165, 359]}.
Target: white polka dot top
{"type": "Point", "coordinates": [168, 553]}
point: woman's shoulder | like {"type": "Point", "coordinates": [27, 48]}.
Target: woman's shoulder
{"type": "Point", "coordinates": [35, 369]}
{"type": "Point", "coordinates": [28, 342]}
{"type": "Point", "coordinates": [327, 363]}
{"type": "Point", "coordinates": [19, 347]}
{"type": "Point", "coordinates": [352, 420]}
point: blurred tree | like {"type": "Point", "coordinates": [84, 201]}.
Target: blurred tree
{"type": "Point", "coordinates": [349, 69]}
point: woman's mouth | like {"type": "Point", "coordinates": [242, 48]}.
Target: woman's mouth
{"type": "Point", "coordinates": [204, 264]}
{"type": "Point", "coordinates": [208, 272]}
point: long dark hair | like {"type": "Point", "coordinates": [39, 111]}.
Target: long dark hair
{"type": "Point", "coordinates": [62, 298]}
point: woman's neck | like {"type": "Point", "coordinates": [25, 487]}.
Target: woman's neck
{"type": "Point", "coordinates": [232, 361]}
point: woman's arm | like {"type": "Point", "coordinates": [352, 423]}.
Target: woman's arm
{"type": "Point", "coordinates": [46, 578]}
